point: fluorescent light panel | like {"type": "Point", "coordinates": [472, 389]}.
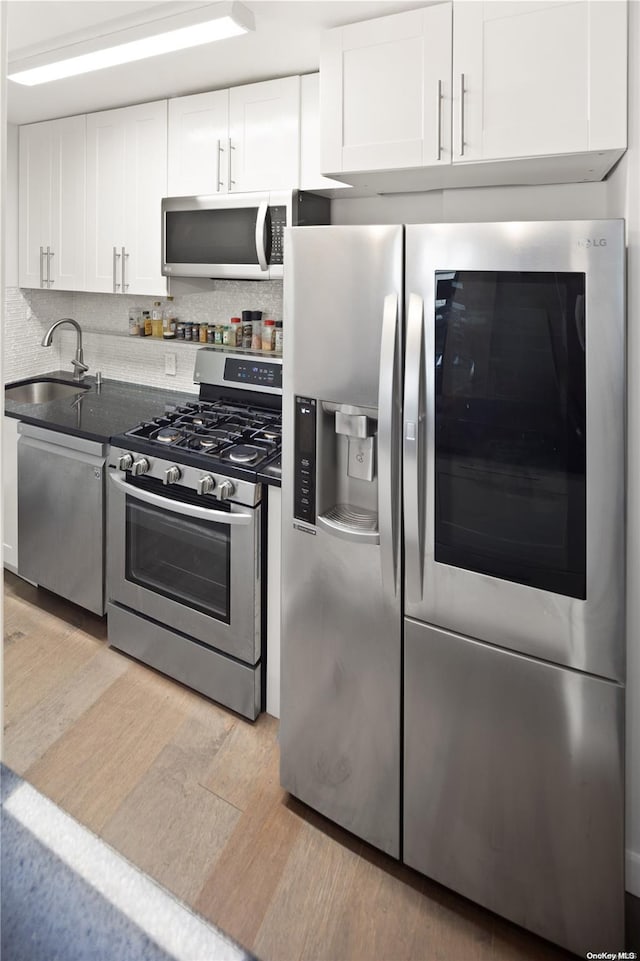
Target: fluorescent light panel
{"type": "Point", "coordinates": [229, 22]}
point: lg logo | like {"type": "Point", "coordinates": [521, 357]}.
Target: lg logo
{"type": "Point", "coordinates": [596, 242]}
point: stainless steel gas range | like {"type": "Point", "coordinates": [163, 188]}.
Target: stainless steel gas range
{"type": "Point", "coordinates": [187, 531]}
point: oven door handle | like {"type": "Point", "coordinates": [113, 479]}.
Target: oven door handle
{"type": "Point", "coordinates": [237, 519]}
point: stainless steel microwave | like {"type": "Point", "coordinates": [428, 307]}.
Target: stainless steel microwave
{"type": "Point", "coordinates": [234, 236]}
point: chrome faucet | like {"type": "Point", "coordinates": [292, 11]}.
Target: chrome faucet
{"type": "Point", "coordinates": [80, 368]}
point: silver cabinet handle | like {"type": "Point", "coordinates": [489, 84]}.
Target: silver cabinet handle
{"type": "Point", "coordinates": [50, 254]}
{"type": "Point", "coordinates": [414, 414]}
{"type": "Point", "coordinates": [125, 285]}
{"type": "Point", "coordinates": [41, 267]}
{"type": "Point", "coordinates": [261, 220]}
{"type": "Point", "coordinates": [230, 147]}
{"type": "Point", "coordinates": [389, 421]}
{"type": "Point", "coordinates": [237, 519]}
{"type": "Point", "coordinates": [219, 183]}
{"type": "Point", "coordinates": [439, 122]}
{"type": "Point", "coordinates": [462, 115]}
{"type": "Point", "coordinates": [115, 270]}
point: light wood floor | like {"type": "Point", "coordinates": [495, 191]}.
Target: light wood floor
{"type": "Point", "coordinates": [189, 793]}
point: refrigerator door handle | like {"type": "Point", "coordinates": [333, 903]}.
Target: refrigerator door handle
{"type": "Point", "coordinates": [389, 421]}
{"type": "Point", "coordinates": [414, 419]}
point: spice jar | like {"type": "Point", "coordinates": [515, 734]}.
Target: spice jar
{"type": "Point", "coordinates": [247, 328]}
{"type": "Point", "coordinates": [144, 328]}
{"type": "Point", "coordinates": [135, 318]}
{"type": "Point", "coordinates": [203, 333]}
{"type": "Point", "coordinates": [235, 327]}
{"type": "Point", "coordinates": [188, 328]}
{"type": "Point", "coordinates": [180, 330]}
{"type": "Point", "coordinates": [218, 334]}
{"type": "Point", "coordinates": [211, 334]}
{"type": "Point", "coordinates": [278, 341]}
{"type": "Point", "coordinates": [195, 331]}
{"type": "Point", "coordinates": [268, 334]}
{"type": "Point", "coordinates": [256, 335]}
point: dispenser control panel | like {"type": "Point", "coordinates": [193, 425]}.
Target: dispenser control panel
{"type": "Point", "coordinates": [304, 491]}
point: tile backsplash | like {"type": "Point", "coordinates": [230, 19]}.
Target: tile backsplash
{"type": "Point", "coordinates": [106, 341]}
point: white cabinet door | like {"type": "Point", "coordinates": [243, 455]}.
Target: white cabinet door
{"type": "Point", "coordinates": [10, 492]}
{"type": "Point", "coordinates": [126, 180]}
{"type": "Point", "coordinates": [310, 176]}
{"type": "Point", "coordinates": [52, 204]}
{"type": "Point", "coordinates": [264, 132]}
{"type": "Point", "coordinates": [145, 186]}
{"type": "Point", "coordinates": [538, 78]}
{"type": "Point", "coordinates": [106, 176]}
{"type": "Point", "coordinates": [386, 92]}
{"type": "Point", "coordinates": [198, 144]}
{"type": "Point", "coordinates": [68, 220]}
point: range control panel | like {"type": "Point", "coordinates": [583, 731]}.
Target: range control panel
{"type": "Point", "coordinates": [278, 223]}
{"type": "Point", "coordinates": [258, 373]}
{"type": "Point", "coordinates": [304, 492]}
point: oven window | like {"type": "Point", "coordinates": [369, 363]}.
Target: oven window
{"type": "Point", "coordinates": [185, 559]}
{"type": "Point", "coordinates": [510, 426]}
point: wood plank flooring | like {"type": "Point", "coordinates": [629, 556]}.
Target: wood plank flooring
{"type": "Point", "coordinates": [190, 794]}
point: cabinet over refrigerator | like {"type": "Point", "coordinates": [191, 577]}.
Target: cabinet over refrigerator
{"type": "Point", "coordinates": [453, 549]}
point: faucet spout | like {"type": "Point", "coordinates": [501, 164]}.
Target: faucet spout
{"type": "Point", "coordinates": [80, 368]}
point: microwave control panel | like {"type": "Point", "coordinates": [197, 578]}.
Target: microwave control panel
{"type": "Point", "coordinates": [304, 489]}
{"type": "Point", "coordinates": [278, 223]}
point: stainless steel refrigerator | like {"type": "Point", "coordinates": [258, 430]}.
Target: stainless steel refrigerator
{"type": "Point", "coordinates": [453, 557]}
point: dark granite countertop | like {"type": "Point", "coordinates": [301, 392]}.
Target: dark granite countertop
{"type": "Point", "coordinates": [102, 412]}
{"type": "Point", "coordinates": [98, 413]}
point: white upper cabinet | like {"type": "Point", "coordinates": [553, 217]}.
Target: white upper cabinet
{"type": "Point", "coordinates": [310, 176]}
{"type": "Point", "coordinates": [470, 93]}
{"type": "Point", "coordinates": [52, 204]}
{"type": "Point", "coordinates": [385, 86]}
{"type": "Point", "coordinates": [242, 139]}
{"type": "Point", "coordinates": [198, 144]}
{"type": "Point", "coordinates": [126, 181]}
{"type": "Point", "coordinates": [538, 78]}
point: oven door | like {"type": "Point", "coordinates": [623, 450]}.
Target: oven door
{"type": "Point", "coordinates": [194, 569]}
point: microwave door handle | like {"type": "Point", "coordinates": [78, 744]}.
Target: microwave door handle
{"type": "Point", "coordinates": [414, 415]}
{"type": "Point", "coordinates": [188, 510]}
{"type": "Point", "coordinates": [261, 221]}
{"type": "Point", "coordinates": [388, 454]}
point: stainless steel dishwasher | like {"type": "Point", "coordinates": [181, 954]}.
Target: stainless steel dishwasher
{"type": "Point", "coordinates": [61, 514]}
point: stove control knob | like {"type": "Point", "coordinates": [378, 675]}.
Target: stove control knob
{"type": "Point", "coordinates": [225, 489]}
{"type": "Point", "coordinates": [206, 484]}
{"type": "Point", "coordinates": [140, 466]}
{"type": "Point", "coordinates": [172, 475]}
{"type": "Point", "coordinates": [125, 461]}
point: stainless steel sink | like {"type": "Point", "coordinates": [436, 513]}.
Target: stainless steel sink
{"type": "Point", "coordinates": [42, 391]}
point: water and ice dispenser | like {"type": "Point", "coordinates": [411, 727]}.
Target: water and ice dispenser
{"type": "Point", "coordinates": [335, 468]}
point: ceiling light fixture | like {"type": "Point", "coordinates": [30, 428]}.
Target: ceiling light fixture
{"type": "Point", "coordinates": [192, 28]}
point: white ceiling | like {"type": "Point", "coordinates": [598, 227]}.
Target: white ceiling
{"type": "Point", "coordinates": [286, 41]}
